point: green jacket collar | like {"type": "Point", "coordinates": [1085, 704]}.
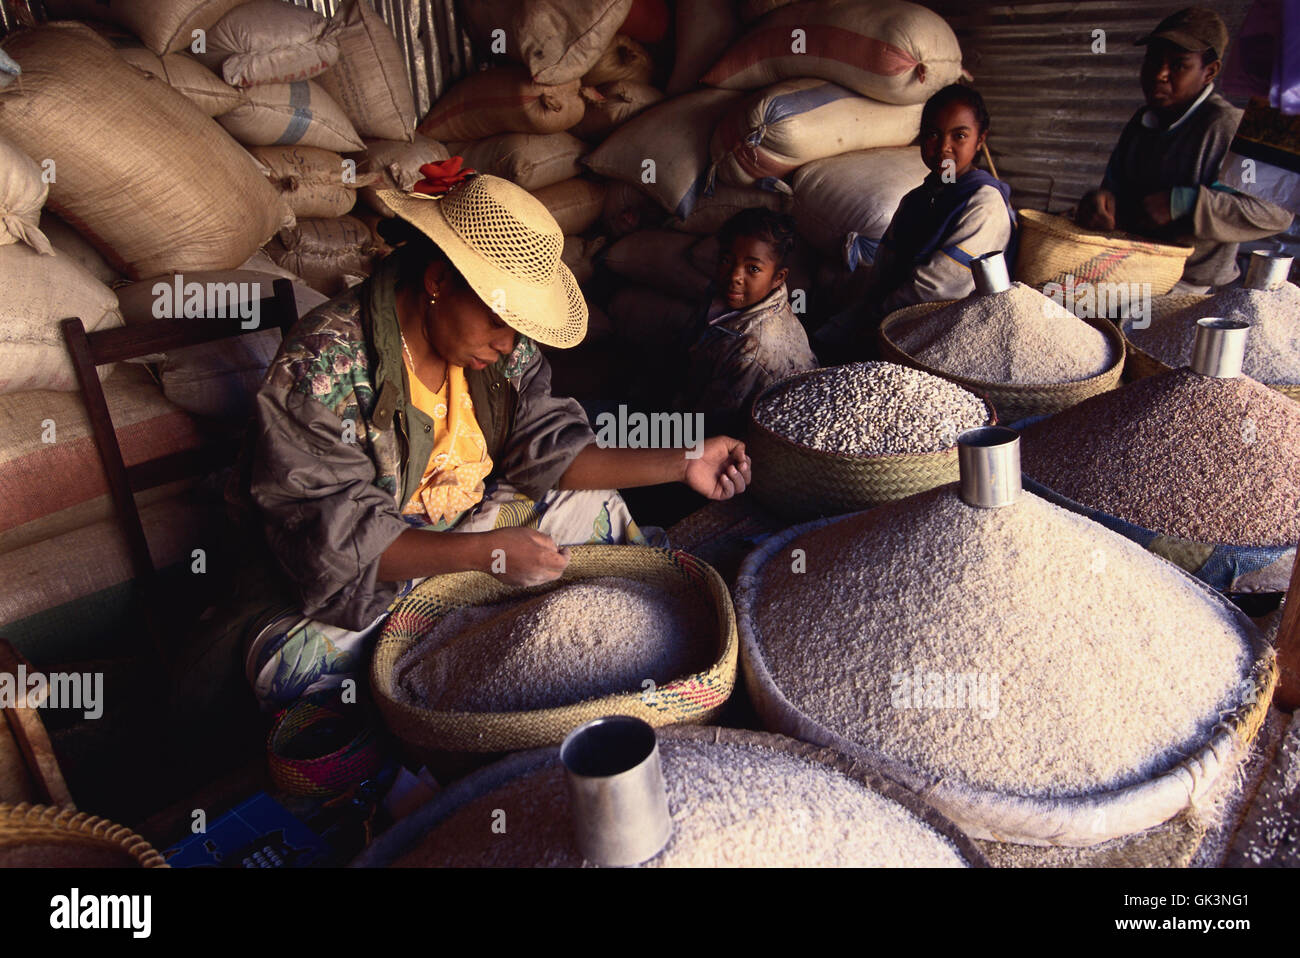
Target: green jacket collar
{"type": "Point", "coordinates": [393, 409]}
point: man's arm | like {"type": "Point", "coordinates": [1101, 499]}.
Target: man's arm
{"type": "Point", "coordinates": [1227, 216]}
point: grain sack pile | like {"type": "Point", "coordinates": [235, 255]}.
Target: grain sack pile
{"type": "Point", "coordinates": [548, 651]}
{"type": "Point", "coordinates": [186, 75]}
{"type": "Point", "coordinates": [147, 186]}
{"type": "Point", "coordinates": [329, 254]}
{"type": "Point", "coordinates": [142, 172]}
{"type": "Point", "coordinates": [1015, 336]}
{"type": "Point", "coordinates": [921, 634]}
{"type": "Point", "coordinates": [1273, 346]}
{"type": "Point", "coordinates": [732, 805]}
{"type": "Point", "coordinates": [266, 41]}
{"type": "Point", "coordinates": [1181, 456]}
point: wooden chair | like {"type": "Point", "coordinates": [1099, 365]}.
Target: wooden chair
{"type": "Point", "coordinates": [89, 350]}
{"type": "Point", "coordinates": [29, 769]}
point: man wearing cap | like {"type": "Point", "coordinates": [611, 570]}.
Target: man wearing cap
{"type": "Point", "coordinates": [1162, 179]}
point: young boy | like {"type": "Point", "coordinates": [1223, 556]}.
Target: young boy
{"type": "Point", "coordinates": [1163, 177]}
{"type": "Point", "coordinates": [957, 214]}
{"type": "Point", "coordinates": [749, 337]}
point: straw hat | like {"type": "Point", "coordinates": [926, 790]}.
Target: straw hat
{"type": "Point", "coordinates": [507, 246]}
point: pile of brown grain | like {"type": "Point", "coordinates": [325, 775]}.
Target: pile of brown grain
{"type": "Point", "coordinates": [1272, 347]}
{"type": "Point", "coordinates": [1211, 460]}
{"type": "Point", "coordinates": [1024, 650]}
{"type": "Point", "coordinates": [580, 641]}
{"type": "Point", "coordinates": [732, 805]}
{"type": "Point", "coordinates": [1018, 336]}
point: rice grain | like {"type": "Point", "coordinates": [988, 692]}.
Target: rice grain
{"type": "Point", "coordinates": [1081, 662]}
{"type": "Point", "coordinates": [1272, 347]}
{"type": "Point", "coordinates": [1017, 336]}
{"type": "Point", "coordinates": [732, 806]}
{"type": "Point", "coordinates": [581, 641]}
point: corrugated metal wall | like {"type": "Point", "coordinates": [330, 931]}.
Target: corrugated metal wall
{"type": "Point", "coordinates": [1057, 108]}
{"type": "Point", "coordinates": [438, 51]}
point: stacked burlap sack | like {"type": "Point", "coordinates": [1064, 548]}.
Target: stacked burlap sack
{"type": "Point", "coordinates": [766, 108]}
{"type": "Point", "coordinates": [116, 178]}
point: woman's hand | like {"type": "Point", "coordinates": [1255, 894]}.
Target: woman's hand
{"type": "Point", "coordinates": [722, 471]}
{"type": "Point", "coordinates": [525, 557]}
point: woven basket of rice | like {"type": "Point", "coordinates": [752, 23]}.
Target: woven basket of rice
{"type": "Point", "coordinates": [691, 698]}
{"type": "Point", "coordinates": [1017, 772]}
{"type": "Point", "coordinates": [1013, 402]}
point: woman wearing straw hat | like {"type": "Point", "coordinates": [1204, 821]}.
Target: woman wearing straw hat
{"type": "Point", "coordinates": [418, 405]}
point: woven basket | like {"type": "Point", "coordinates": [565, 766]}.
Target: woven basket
{"type": "Point", "coordinates": [694, 698]}
{"type": "Point", "coordinates": [407, 835]}
{"type": "Point", "coordinates": [42, 836]}
{"type": "Point", "coordinates": [984, 814]}
{"type": "Point", "coordinates": [1054, 250]}
{"type": "Point", "coordinates": [334, 773]}
{"type": "Point", "coordinates": [1140, 364]}
{"type": "Point", "coordinates": [1013, 402]}
{"type": "Point", "coordinates": [799, 482]}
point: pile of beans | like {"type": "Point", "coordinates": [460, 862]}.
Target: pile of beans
{"type": "Point", "coordinates": [872, 409]}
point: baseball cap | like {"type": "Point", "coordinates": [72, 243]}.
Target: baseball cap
{"type": "Point", "coordinates": [1194, 29]}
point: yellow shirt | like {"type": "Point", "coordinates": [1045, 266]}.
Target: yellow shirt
{"type": "Point", "coordinates": [453, 479]}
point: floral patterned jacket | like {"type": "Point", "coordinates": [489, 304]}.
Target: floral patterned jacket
{"type": "Point", "coordinates": [338, 448]}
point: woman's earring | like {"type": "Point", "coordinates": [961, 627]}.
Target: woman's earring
{"type": "Point", "coordinates": [433, 299]}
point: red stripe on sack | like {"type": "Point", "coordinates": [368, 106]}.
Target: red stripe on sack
{"type": "Point", "coordinates": [66, 474]}
{"type": "Point", "coordinates": [824, 42]}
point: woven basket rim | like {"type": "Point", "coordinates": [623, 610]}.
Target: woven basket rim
{"type": "Point", "coordinates": [883, 459]}
{"type": "Point", "coordinates": [1060, 226]}
{"type": "Point", "coordinates": [64, 823]}
{"type": "Point", "coordinates": [1023, 390]}
{"type": "Point", "coordinates": [963, 803]}
{"type": "Point", "coordinates": [403, 836]}
{"type": "Point", "coordinates": [583, 563]}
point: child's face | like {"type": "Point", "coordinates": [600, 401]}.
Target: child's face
{"type": "Point", "coordinates": [747, 272]}
{"type": "Point", "coordinates": [953, 134]}
{"type": "Point", "coordinates": [1173, 77]}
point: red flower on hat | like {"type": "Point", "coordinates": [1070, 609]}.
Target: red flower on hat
{"type": "Point", "coordinates": [441, 178]}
